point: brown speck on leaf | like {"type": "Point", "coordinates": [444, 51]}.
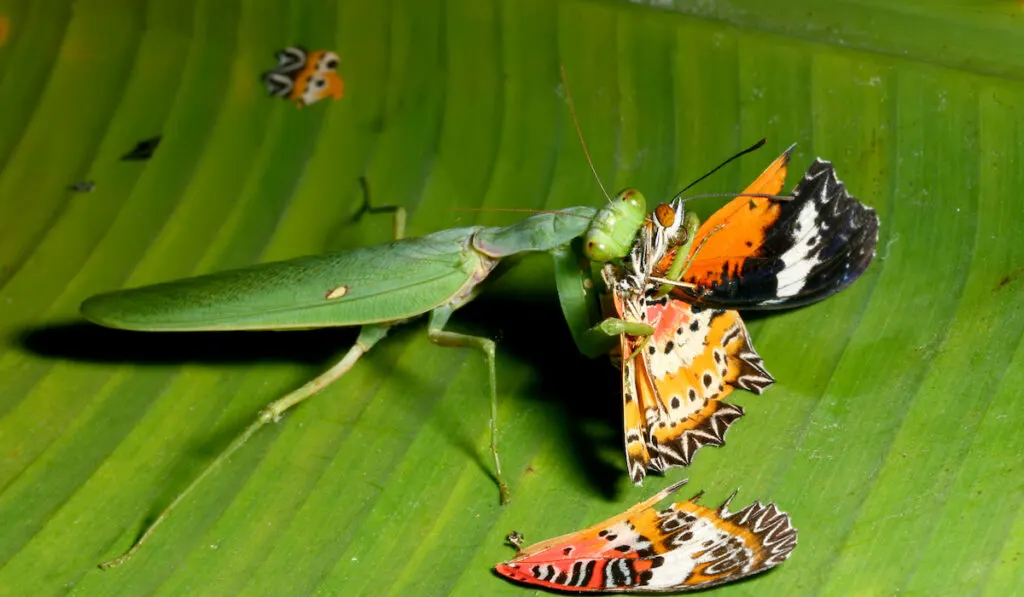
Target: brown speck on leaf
{"type": "Point", "coordinates": [1008, 278]}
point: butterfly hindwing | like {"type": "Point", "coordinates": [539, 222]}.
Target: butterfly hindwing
{"type": "Point", "coordinates": [674, 381]}
{"type": "Point", "coordinates": [696, 363]}
{"type": "Point", "coordinates": [684, 547]}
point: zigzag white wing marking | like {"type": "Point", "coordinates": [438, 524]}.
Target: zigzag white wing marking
{"type": "Point", "coordinates": [290, 59]}
{"type": "Point", "coordinates": [277, 84]}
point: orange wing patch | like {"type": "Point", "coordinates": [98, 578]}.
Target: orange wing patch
{"type": "Point", "coordinates": [736, 231]}
{"type": "Point", "coordinates": [684, 547]}
{"type": "Point", "coordinates": [311, 87]}
{"type": "Point", "coordinates": [317, 80]}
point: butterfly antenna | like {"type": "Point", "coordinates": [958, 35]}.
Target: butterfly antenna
{"type": "Point", "coordinates": [731, 195]}
{"type": "Point", "coordinates": [572, 110]}
{"type": "Point", "coordinates": [753, 147]}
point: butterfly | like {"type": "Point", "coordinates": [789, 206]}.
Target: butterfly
{"type": "Point", "coordinates": [756, 252]}
{"type": "Point", "coordinates": [684, 547]}
{"type": "Point", "coordinates": [304, 77]}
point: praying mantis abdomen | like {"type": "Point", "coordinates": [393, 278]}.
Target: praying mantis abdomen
{"type": "Point", "coordinates": [382, 283]}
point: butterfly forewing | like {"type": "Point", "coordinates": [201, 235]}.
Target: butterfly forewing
{"type": "Point", "coordinates": [764, 253]}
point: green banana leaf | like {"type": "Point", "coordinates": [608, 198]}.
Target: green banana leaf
{"type": "Point", "coordinates": [893, 435]}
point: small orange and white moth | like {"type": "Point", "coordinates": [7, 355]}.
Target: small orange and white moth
{"type": "Point", "coordinates": [305, 77]}
{"type": "Point", "coordinates": [685, 547]}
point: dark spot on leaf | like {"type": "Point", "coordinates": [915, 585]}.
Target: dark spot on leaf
{"type": "Point", "coordinates": [143, 149]}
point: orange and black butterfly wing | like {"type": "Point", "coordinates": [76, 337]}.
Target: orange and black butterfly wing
{"type": "Point", "coordinates": [764, 253]}
{"type": "Point", "coordinates": [684, 547]}
{"type": "Point", "coordinates": [695, 359]}
{"type": "Point", "coordinates": [674, 381]}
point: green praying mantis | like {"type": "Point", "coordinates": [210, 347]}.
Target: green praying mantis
{"type": "Point", "coordinates": [381, 286]}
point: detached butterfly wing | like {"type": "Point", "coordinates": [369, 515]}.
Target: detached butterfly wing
{"type": "Point", "coordinates": [684, 547]}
